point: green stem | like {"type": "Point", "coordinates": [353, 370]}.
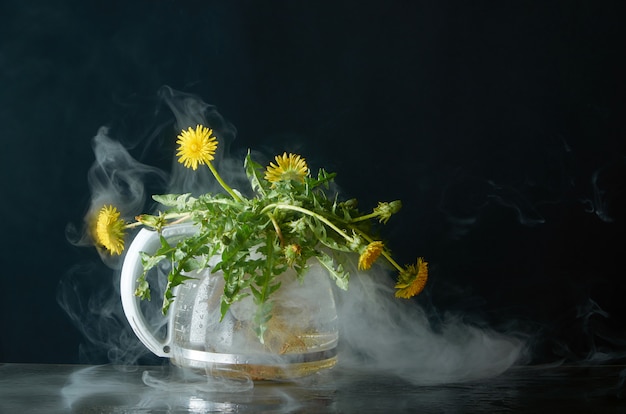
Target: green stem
{"type": "Point", "coordinates": [277, 228]}
{"type": "Point", "coordinates": [222, 183]}
{"type": "Point", "coordinates": [365, 217]}
{"type": "Point", "coordinates": [180, 220]}
{"type": "Point", "coordinates": [309, 213]}
{"type": "Point", "coordinates": [261, 312]}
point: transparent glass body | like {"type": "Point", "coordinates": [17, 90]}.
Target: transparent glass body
{"type": "Point", "coordinates": [300, 339]}
{"type": "Point", "coordinates": [301, 336]}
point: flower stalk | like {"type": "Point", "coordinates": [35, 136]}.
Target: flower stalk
{"type": "Point", "coordinates": [309, 213]}
{"type": "Point", "coordinates": [225, 186]}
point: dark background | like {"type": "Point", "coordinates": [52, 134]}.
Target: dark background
{"type": "Point", "coordinates": [500, 124]}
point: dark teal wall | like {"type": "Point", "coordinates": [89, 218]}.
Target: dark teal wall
{"type": "Point", "coordinates": [501, 126]}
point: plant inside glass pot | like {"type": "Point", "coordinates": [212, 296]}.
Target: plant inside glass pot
{"type": "Point", "coordinates": [263, 247]}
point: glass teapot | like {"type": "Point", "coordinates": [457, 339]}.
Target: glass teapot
{"type": "Point", "coordinates": [301, 337]}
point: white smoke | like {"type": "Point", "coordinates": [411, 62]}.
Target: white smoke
{"type": "Point", "coordinates": [605, 190]}
{"type": "Point", "coordinates": [114, 178]}
{"type": "Point", "coordinates": [465, 197]}
{"type": "Point", "coordinates": [379, 333]}
{"type": "Point", "coordinates": [383, 334]}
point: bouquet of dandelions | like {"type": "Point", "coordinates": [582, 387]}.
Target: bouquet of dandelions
{"type": "Point", "coordinates": [290, 220]}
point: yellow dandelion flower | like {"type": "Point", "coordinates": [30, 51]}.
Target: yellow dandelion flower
{"type": "Point", "coordinates": [196, 147]}
{"type": "Point", "coordinates": [412, 280]}
{"type": "Point", "coordinates": [287, 167]}
{"type": "Point", "coordinates": [370, 254]}
{"type": "Point", "coordinates": [110, 230]}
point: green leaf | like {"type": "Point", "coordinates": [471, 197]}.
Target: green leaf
{"type": "Point", "coordinates": [341, 277]}
{"type": "Point", "coordinates": [143, 288]}
{"type": "Point", "coordinates": [273, 288]}
{"type": "Point", "coordinates": [195, 263]}
{"type": "Point", "coordinates": [179, 255]}
{"type": "Point", "coordinates": [261, 318]}
{"type": "Point", "coordinates": [165, 246]}
{"type": "Point", "coordinates": [177, 278]}
{"type": "Point", "coordinates": [177, 201]}
{"type": "Point", "coordinates": [256, 293]}
{"type": "Point", "coordinates": [323, 177]}
{"type": "Point", "coordinates": [226, 302]}
{"type": "Point", "coordinates": [148, 261]}
{"type": "Point", "coordinates": [168, 298]}
{"type": "Point", "coordinates": [224, 306]}
{"type": "Point", "coordinates": [254, 176]}
{"type": "Point", "coordinates": [319, 230]}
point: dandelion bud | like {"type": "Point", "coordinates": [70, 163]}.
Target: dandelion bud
{"type": "Point", "coordinates": [356, 245]}
{"type": "Point", "coordinates": [292, 252]}
{"type": "Point", "coordinates": [385, 210]}
{"type": "Point", "coordinates": [155, 222]}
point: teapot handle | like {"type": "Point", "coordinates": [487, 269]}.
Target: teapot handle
{"type": "Point", "coordinates": [145, 241]}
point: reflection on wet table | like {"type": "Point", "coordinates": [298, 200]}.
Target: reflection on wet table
{"type": "Point", "coordinates": [114, 389]}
